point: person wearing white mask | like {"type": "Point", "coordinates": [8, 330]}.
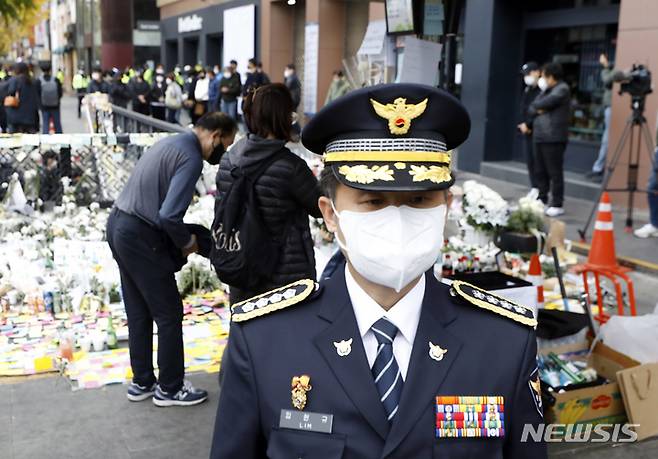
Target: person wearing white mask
{"type": "Point", "coordinates": [293, 84]}
{"type": "Point", "coordinates": [230, 89]}
{"type": "Point", "coordinates": [379, 360]}
{"type": "Point", "coordinates": [551, 113]}
{"type": "Point", "coordinates": [201, 91]}
{"type": "Point", "coordinates": [531, 74]}
{"type": "Point", "coordinates": [173, 99]}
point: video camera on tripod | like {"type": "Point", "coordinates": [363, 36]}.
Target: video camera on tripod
{"type": "Point", "coordinates": [638, 83]}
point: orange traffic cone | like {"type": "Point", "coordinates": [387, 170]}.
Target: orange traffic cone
{"type": "Point", "coordinates": [602, 252]}
{"type": "Point", "coordinates": [536, 278]}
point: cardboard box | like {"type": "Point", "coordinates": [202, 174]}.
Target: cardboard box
{"type": "Point", "coordinates": [602, 404]}
{"type": "Point", "coordinates": [639, 388]}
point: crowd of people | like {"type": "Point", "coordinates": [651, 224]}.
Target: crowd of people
{"type": "Point", "coordinates": [24, 97]}
{"type": "Point", "coordinates": [196, 89]}
{"type": "Point", "coordinates": [147, 90]}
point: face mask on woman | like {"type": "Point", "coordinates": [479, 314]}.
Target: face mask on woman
{"type": "Point", "coordinates": [227, 75]}
{"type": "Point", "coordinates": [168, 81]}
{"type": "Point", "coordinates": [542, 83]}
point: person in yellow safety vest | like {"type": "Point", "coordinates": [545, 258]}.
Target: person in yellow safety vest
{"type": "Point", "coordinates": [148, 75]}
{"type": "Point", "coordinates": [80, 83]}
{"type": "Point", "coordinates": [178, 77]}
{"type": "Point", "coordinates": [60, 76]}
{"type": "Point", "coordinates": [3, 74]}
{"type": "Point", "coordinates": [125, 78]}
{"type": "Point", "coordinates": [131, 73]}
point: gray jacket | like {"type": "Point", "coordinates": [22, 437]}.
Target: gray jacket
{"type": "Point", "coordinates": [610, 76]}
{"type": "Point", "coordinates": [552, 124]}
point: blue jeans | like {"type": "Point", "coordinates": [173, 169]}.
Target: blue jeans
{"type": "Point", "coordinates": [599, 164]}
{"type": "Point", "coordinates": [652, 195]}
{"type": "Point", "coordinates": [46, 115]}
{"type": "Point", "coordinates": [230, 108]}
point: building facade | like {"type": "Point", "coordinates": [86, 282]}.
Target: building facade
{"type": "Point", "coordinates": [116, 33]}
{"type": "Point", "coordinates": [498, 36]}
{"type": "Point", "coordinates": [209, 33]}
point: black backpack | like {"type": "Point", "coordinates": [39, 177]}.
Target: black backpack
{"type": "Point", "coordinates": [243, 253]}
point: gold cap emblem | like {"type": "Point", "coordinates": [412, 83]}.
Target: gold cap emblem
{"type": "Point", "coordinates": [399, 114]}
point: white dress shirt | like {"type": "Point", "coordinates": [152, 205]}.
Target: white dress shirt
{"type": "Point", "coordinates": [405, 315]}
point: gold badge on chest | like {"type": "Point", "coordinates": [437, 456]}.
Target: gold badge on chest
{"type": "Point", "coordinates": [300, 386]}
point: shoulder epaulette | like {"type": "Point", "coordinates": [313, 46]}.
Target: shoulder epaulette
{"type": "Point", "coordinates": [274, 300]}
{"type": "Point", "coordinates": [494, 303]}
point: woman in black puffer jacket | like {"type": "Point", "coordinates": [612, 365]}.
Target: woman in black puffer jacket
{"type": "Point", "coordinates": [286, 193]}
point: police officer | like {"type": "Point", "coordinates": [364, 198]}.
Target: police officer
{"type": "Point", "coordinates": [381, 360]}
{"type": "Point", "coordinates": [150, 243]}
{"type": "Point", "coordinates": [80, 84]}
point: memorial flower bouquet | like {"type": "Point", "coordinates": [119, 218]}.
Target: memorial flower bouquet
{"type": "Point", "coordinates": [484, 209]}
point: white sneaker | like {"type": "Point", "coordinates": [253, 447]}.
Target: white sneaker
{"type": "Point", "coordinates": [554, 211]}
{"type": "Point", "coordinates": [646, 231]}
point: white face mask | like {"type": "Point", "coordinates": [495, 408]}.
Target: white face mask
{"type": "Point", "coordinates": [395, 245]}
{"type": "Point", "coordinates": [287, 73]}
{"type": "Point", "coordinates": [227, 75]}
{"type": "Point", "coordinates": [530, 80]}
{"type": "Point", "coordinates": [542, 83]}
{"type": "Point", "coordinates": [169, 81]}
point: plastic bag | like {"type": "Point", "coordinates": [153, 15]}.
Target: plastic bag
{"type": "Point", "coordinates": [637, 337]}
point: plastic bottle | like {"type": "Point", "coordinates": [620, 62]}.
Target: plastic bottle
{"type": "Point", "coordinates": [446, 270]}
{"type": "Point", "coordinates": [475, 267]}
{"type": "Point", "coordinates": [112, 342]}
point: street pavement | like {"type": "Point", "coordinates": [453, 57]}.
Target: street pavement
{"type": "Point", "coordinates": [71, 124]}
{"type": "Point", "coordinates": [44, 419]}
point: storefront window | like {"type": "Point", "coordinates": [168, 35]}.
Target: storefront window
{"type": "Point", "coordinates": [578, 50]}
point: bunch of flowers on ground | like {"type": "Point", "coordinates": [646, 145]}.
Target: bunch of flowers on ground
{"type": "Point", "coordinates": [484, 209]}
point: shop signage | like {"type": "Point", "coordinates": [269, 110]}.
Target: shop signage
{"type": "Point", "coordinates": [148, 26]}
{"type": "Point", "coordinates": [190, 23]}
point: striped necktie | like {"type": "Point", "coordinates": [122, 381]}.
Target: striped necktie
{"type": "Point", "coordinates": [388, 378]}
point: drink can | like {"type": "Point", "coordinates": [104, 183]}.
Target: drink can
{"type": "Point", "coordinates": [57, 301]}
{"type": "Point", "coordinates": [48, 301]}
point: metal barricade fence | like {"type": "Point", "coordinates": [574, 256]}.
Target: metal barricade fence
{"type": "Point", "coordinates": [97, 165]}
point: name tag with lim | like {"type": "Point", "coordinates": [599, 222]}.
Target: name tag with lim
{"type": "Point", "coordinates": [305, 420]}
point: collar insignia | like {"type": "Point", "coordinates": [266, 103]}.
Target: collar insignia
{"type": "Point", "coordinates": [493, 303]}
{"type": "Point", "coordinates": [399, 114]}
{"type": "Point", "coordinates": [272, 301]}
{"type": "Point", "coordinates": [436, 352]}
{"type": "Point", "coordinates": [344, 347]}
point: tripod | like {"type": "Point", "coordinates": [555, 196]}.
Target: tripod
{"type": "Point", "coordinates": [636, 131]}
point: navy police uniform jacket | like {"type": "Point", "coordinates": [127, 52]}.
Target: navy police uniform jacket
{"type": "Point", "coordinates": [489, 353]}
